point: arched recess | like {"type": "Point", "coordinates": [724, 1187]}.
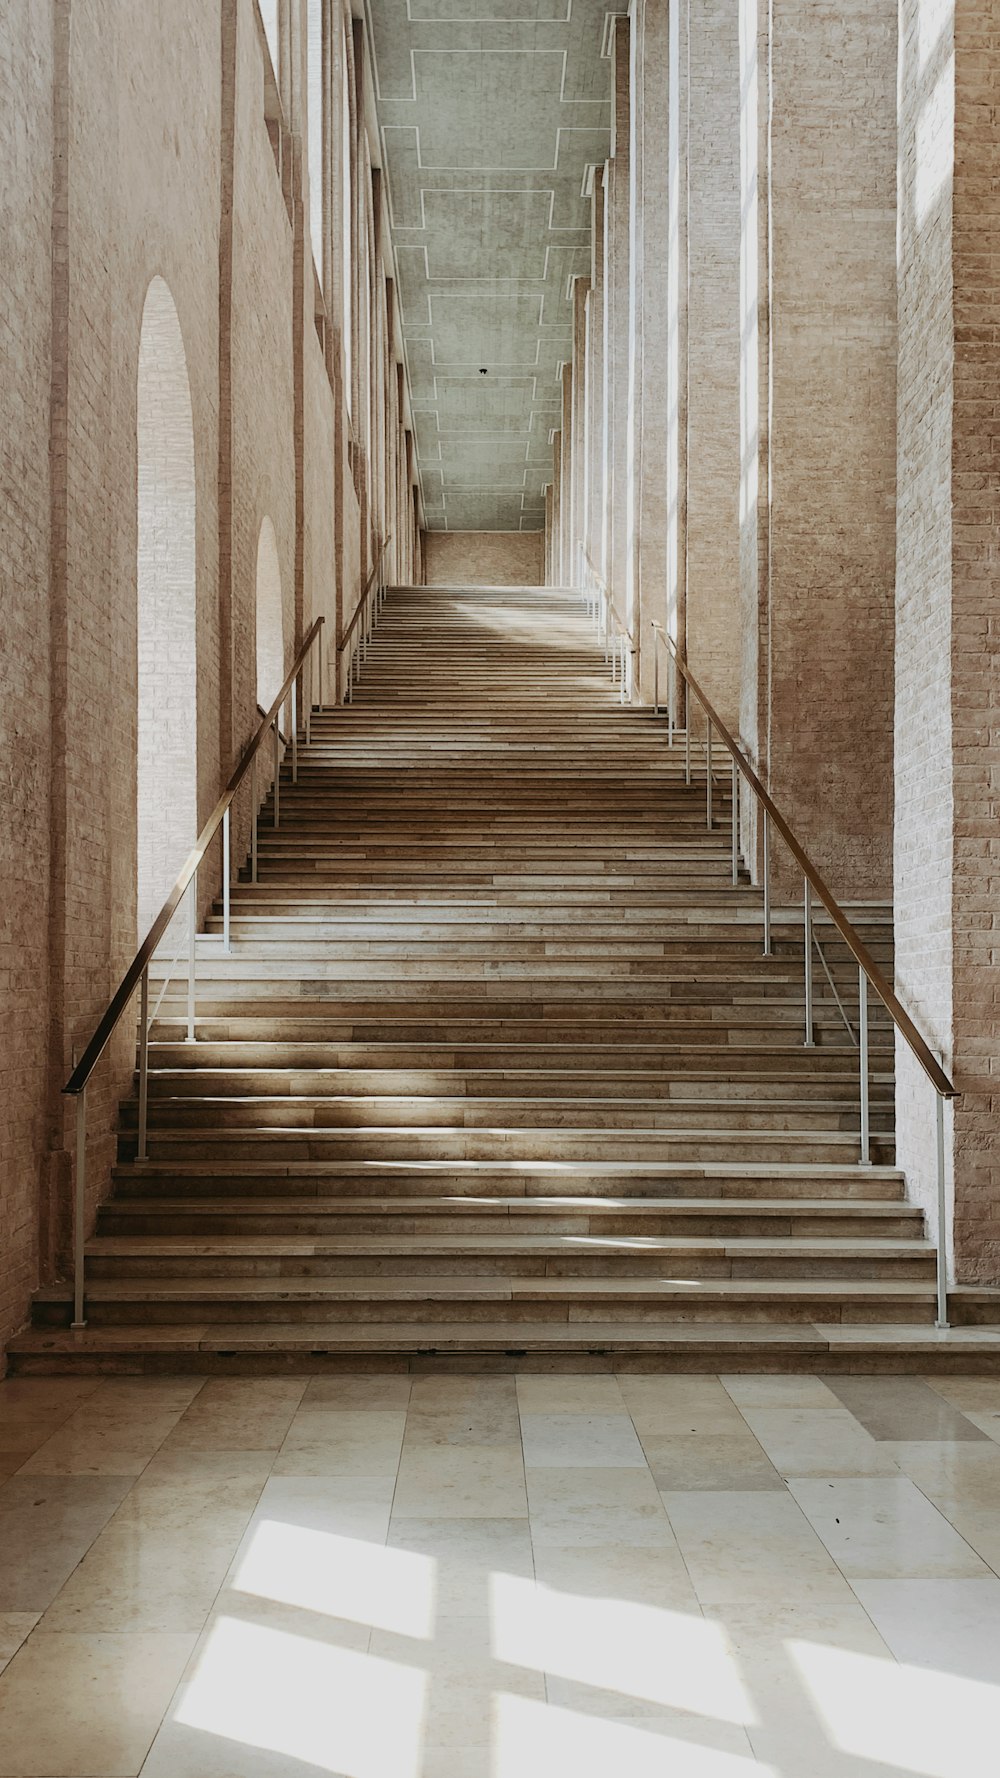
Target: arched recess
{"type": "Point", "coordinates": [166, 778]}
{"type": "Point", "coordinates": [270, 619]}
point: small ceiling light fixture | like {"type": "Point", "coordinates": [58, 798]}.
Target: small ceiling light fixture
{"type": "Point", "coordinates": [483, 371]}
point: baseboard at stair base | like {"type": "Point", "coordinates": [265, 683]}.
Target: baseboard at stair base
{"type": "Point", "coordinates": [504, 1349]}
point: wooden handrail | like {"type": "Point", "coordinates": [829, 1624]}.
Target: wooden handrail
{"type": "Point", "coordinates": [383, 546]}
{"type": "Point", "coordinates": [140, 962]}
{"type": "Point", "coordinates": [855, 944]}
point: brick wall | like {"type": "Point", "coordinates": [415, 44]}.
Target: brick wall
{"type": "Point", "coordinates": [137, 148]}
{"type": "Point", "coordinates": [26, 153]}
{"type": "Point", "coordinates": [483, 558]}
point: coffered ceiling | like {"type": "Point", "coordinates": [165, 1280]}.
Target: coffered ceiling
{"type": "Point", "coordinates": [491, 114]}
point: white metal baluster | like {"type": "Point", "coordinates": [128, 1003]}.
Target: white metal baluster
{"type": "Point", "coordinates": [708, 776]}
{"type": "Point", "coordinates": [79, 1210]}
{"type": "Point", "coordinates": [277, 769]}
{"type": "Point", "coordinates": [866, 1154]}
{"type": "Point", "coordinates": [766, 871]}
{"type": "Point", "coordinates": [253, 819]}
{"type": "Point", "coordinates": [192, 962]}
{"type": "Point", "coordinates": [226, 887]}
{"type": "Point", "coordinates": [295, 731]}
{"type": "Point", "coordinates": [736, 825]}
{"type": "Point", "coordinates": [807, 959]}
{"type": "Point", "coordinates": [942, 1204]}
{"type": "Point", "coordinates": [143, 1149]}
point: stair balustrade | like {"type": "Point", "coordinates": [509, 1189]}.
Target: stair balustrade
{"type": "Point", "coordinates": [870, 976]}
{"type": "Point", "coordinates": [306, 672]}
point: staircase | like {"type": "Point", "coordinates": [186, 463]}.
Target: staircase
{"type": "Point", "coordinates": [495, 1074]}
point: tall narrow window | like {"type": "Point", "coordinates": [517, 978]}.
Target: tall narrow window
{"type": "Point", "coordinates": [346, 212]}
{"type": "Point", "coordinates": [269, 15]}
{"type": "Point", "coordinates": [270, 619]}
{"type": "Point", "coordinates": [314, 58]}
{"type": "Point", "coordinates": [166, 779]}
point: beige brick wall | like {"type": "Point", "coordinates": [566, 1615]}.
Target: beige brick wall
{"type": "Point", "coordinates": [827, 363]}
{"type": "Point", "coordinates": [124, 125]}
{"type": "Point", "coordinates": [483, 558]}
{"type": "Point", "coordinates": [26, 61]}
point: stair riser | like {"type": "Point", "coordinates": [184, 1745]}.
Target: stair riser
{"type": "Point", "coordinates": [131, 1220]}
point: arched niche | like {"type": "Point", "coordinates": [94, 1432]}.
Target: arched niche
{"type": "Point", "coordinates": [166, 778]}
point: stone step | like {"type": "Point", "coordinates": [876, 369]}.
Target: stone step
{"type": "Point", "coordinates": [485, 1181]}
{"type": "Point", "coordinates": [843, 1218]}
{"type": "Point", "coordinates": [647, 1117]}
{"type": "Point", "coordinates": [198, 1079]}
{"type": "Point", "coordinates": [608, 1062]}
{"type": "Point", "coordinates": [390, 1258]}
{"type": "Point", "coordinates": [528, 1144]}
{"type": "Point", "coordinates": [503, 1346]}
{"type": "Point", "coordinates": [123, 1301]}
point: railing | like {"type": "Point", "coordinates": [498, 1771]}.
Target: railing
{"type": "Point", "coordinates": [616, 637]}
{"type": "Point", "coordinates": [869, 973]}
{"type": "Point", "coordinates": [136, 976]}
{"type": "Point", "coordinates": [355, 646]}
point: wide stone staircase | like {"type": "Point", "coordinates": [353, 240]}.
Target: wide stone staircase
{"type": "Point", "coordinates": [495, 1073]}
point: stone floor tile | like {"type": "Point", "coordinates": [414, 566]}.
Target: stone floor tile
{"type": "Point", "coordinates": [740, 1548]}
{"type": "Point", "coordinates": [72, 1706]}
{"type": "Point", "coordinates": [467, 1665]}
{"type": "Point", "coordinates": [536, 1741]}
{"type": "Point", "coordinates": [239, 1414]}
{"type": "Point", "coordinates": [587, 1507]}
{"type": "Point", "coordinates": [570, 1394]}
{"type": "Point", "coordinates": [362, 1394]}
{"type": "Point", "coordinates": [694, 1405]}
{"type": "Point", "coordinates": [949, 1626]}
{"type": "Point", "coordinates": [464, 1555]}
{"type": "Point", "coordinates": [709, 1461]}
{"type": "Point", "coordinates": [460, 1481]}
{"type": "Point", "coordinates": [752, 1391]}
{"type": "Point", "coordinates": [580, 1441]}
{"type": "Point", "coordinates": [266, 1697]}
{"type": "Point", "coordinates": [902, 1408]}
{"type": "Point", "coordinates": [329, 1441]}
{"type": "Point", "coordinates": [160, 1562]}
{"type": "Point", "coordinates": [47, 1525]}
{"type": "Point", "coordinates": [481, 1422]}
{"type": "Point", "coordinates": [15, 1626]}
{"type": "Point", "coordinates": [654, 1577]}
{"type": "Point", "coordinates": [817, 1441]}
{"type": "Point", "coordinates": [883, 1527]}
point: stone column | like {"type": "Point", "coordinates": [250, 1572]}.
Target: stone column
{"type": "Point", "coordinates": [947, 833]}
{"type": "Point", "coordinates": [616, 324]}
{"type": "Point", "coordinates": [557, 566]}
{"type": "Point", "coordinates": [581, 287]}
{"type": "Point", "coordinates": [818, 495]}
{"type": "Point", "coordinates": [711, 122]}
{"type": "Point", "coordinates": [548, 535]}
{"type": "Point", "coordinates": [648, 274]}
{"type": "Point", "coordinates": [566, 470]}
{"type": "Point", "coordinates": [594, 528]}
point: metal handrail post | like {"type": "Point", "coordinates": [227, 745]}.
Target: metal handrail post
{"type": "Point", "coordinates": [708, 778]}
{"type": "Point", "coordinates": [79, 1211]}
{"type": "Point", "coordinates": [687, 744]}
{"type": "Point", "coordinates": [671, 701]}
{"type": "Point", "coordinates": [226, 869]}
{"type": "Point", "coordinates": [295, 731]}
{"type": "Point", "coordinates": [192, 959]}
{"type": "Point", "coordinates": [656, 695]}
{"type": "Point", "coordinates": [942, 1231]}
{"type": "Point", "coordinates": [307, 690]}
{"type": "Point", "coordinates": [807, 959]}
{"type": "Point", "coordinates": [866, 1155]}
{"type": "Point", "coordinates": [277, 771]}
{"type": "Point", "coordinates": [736, 825]}
{"type": "Point", "coordinates": [143, 1149]}
{"type": "Point", "coordinates": [766, 873]}
{"type": "Point", "coordinates": [319, 652]}
{"type": "Point", "coordinates": [253, 819]}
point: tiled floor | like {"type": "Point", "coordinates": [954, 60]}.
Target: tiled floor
{"type": "Point", "coordinates": [451, 1577]}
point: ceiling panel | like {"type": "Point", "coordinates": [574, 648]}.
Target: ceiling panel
{"type": "Point", "coordinates": [491, 114]}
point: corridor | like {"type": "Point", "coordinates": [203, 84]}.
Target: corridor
{"type": "Point", "coordinates": [379, 1576]}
